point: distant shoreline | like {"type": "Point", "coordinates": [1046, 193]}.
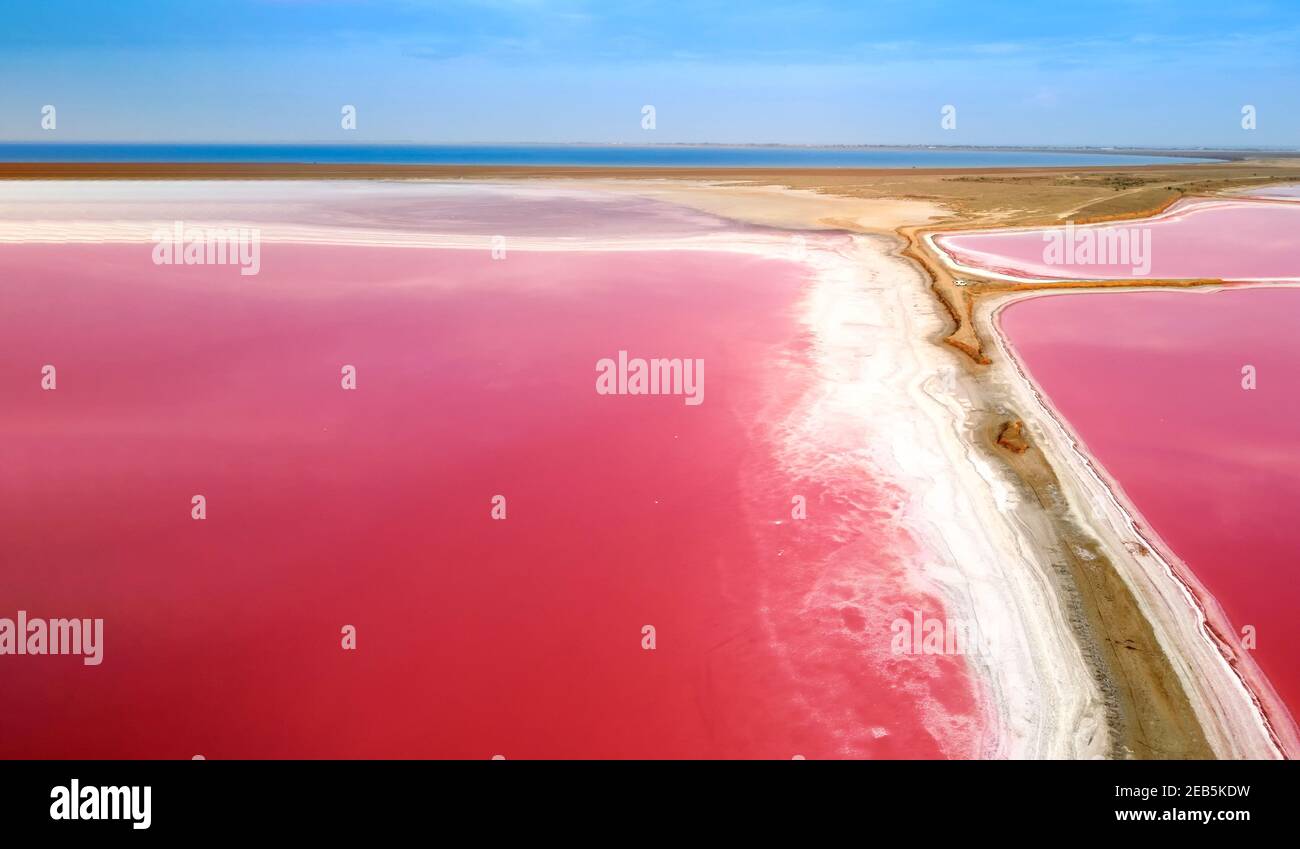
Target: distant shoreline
{"type": "Point", "coordinates": [657, 156]}
{"type": "Point", "coordinates": [1150, 150]}
{"type": "Point", "coordinates": [387, 171]}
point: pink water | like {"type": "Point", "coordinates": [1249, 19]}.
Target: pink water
{"type": "Point", "coordinates": [1228, 240]}
{"type": "Point", "coordinates": [1289, 192]}
{"type": "Point", "coordinates": [513, 210]}
{"type": "Point", "coordinates": [1152, 383]}
{"type": "Point", "coordinates": [372, 507]}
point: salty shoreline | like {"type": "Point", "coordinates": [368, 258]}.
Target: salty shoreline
{"type": "Point", "coordinates": [1238, 719]}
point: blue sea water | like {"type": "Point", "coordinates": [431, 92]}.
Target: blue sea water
{"type": "Point", "coordinates": [686, 156]}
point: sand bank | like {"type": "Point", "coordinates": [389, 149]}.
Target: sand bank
{"type": "Point", "coordinates": [1236, 709]}
{"type": "Point", "coordinates": [782, 207]}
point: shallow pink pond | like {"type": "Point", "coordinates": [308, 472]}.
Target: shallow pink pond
{"type": "Point", "coordinates": [1152, 384]}
{"type": "Point", "coordinates": [485, 209]}
{"type": "Point", "coordinates": [327, 507]}
{"type": "Point", "coordinates": [1288, 192]}
{"type": "Point", "coordinates": [1228, 240]}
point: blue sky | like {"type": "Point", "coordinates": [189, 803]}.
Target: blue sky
{"type": "Point", "coordinates": [1141, 72]}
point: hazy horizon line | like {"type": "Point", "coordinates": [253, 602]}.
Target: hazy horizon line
{"type": "Point", "coordinates": [1023, 146]}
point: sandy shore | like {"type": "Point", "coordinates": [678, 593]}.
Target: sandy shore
{"type": "Point", "coordinates": [1170, 691]}
{"type": "Point", "coordinates": [780, 206]}
{"type": "Point", "coordinates": [884, 375]}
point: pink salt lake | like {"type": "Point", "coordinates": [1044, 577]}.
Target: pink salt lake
{"type": "Point", "coordinates": [475, 637]}
{"type": "Point", "coordinates": [1220, 239]}
{"type": "Point", "coordinates": [1151, 382]}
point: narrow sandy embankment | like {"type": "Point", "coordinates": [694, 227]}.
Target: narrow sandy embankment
{"type": "Point", "coordinates": [1236, 708]}
{"type": "Point", "coordinates": [1140, 701]}
{"type": "Point", "coordinates": [1154, 633]}
{"type": "Point", "coordinates": [1078, 672]}
{"type": "Point", "coordinates": [1234, 705]}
